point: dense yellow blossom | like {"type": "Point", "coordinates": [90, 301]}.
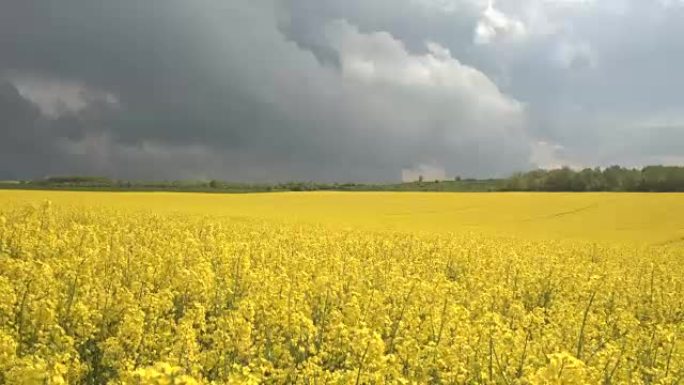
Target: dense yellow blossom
{"type": "Point", "coordinates": [617, 217]}
{"type": "Point", "coordinates": [117, 295]}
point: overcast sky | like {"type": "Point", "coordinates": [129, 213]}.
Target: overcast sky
{"type": "Point", "coordinates": [337, 90]}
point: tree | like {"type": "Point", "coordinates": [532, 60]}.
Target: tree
{"type": "Point", "coordinates": [614, 178]}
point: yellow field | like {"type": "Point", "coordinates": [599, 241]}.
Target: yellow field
{"type": "Point", "coordinates": [621, 217]}
{"type": "Point", "coordinates": [341, 288]}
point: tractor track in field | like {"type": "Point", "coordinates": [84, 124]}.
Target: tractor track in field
{"type": "Point", "coordinates": [562, 213]}
{"type": "Point", "coordinates": [570, 212]}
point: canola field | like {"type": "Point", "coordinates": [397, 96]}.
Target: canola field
{"type": "Point", "coordinates": [341, 288]}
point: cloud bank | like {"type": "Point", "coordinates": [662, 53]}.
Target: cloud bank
{"type": "Point", "coordinates": [335, 91]}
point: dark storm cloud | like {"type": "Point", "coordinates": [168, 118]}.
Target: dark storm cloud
{"type": "Point", "coordinates": [329, 90]}
{"type": "Point", "coordinates": [21, 131]}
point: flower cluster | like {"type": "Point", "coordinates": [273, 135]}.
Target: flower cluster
{"type": "Point", "coordinates": [103, 296]}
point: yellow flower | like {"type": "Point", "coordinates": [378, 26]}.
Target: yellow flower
{"type": "Point", "coordinates": [130, 293]}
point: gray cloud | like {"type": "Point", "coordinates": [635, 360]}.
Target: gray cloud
{"type": "Point", "coordinates": [332, 90]}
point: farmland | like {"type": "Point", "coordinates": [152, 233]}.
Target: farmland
{"type": "Point", "coordinates": [331, 287]}
{"type": "Point", "coordinates": [617, 217]}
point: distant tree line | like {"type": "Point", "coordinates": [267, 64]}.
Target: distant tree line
{"type": "Point", "coordinates": [98, 183]}
{"type": "Point", "coordinates": [78, 180]}
{"type": "Point", "coordinates": [614, 178]}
